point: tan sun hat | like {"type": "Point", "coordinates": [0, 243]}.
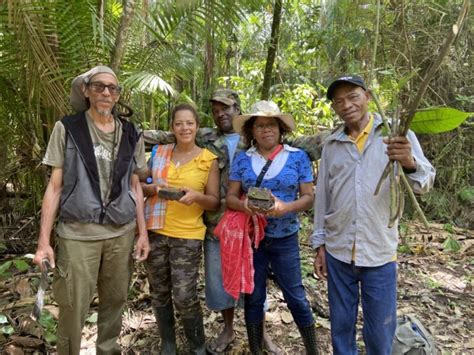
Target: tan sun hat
{"type": "Point", "coordinates": [77, 99]}
{"type": "Point", "coordinates": [263, 109]}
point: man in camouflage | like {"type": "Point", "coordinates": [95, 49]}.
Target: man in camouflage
{"type": "Point", "coordinates": [225, 143]}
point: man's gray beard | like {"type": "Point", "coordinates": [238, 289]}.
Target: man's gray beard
{"type": "Point", "coordinates": [104, 112]}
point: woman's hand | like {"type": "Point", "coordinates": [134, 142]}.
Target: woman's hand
{"type": "Point", "coordinates": [279, 208]}
{"type": "Point", "coordinates": [152, 189]}
{"type": "Point", "coordinates": [249, 209]}
{"type": "Point", "coordinates": [190, 196]}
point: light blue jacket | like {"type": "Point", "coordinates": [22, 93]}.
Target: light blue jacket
{"type": "Point", "coordinates": [346, 210]}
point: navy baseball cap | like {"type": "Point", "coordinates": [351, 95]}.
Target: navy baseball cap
{"type": "Point", "coordinates": [351, 79]}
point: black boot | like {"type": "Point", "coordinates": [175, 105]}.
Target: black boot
{"type": "Point", "coordinates": [255, 335]}
{"type": "Point", "coordinates": [309, 339]}
{"type": "Point", "coordinates": [194, 331]}
{"type": "Point", "coordinates": [165, 320]}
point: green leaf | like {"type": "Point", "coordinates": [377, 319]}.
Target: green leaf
{"type": "Point", "coordinates": [5, 266]}
{"type": "Point", "coordinates": [47, 320]}
{"type": "Point", "coordinates": [7, 329]}
{"type": "Point", "coordinates": [438, 120]}
{"type": "Point", "coordinates": [50, 337]}
{"type": "Point", "coordinates": [92, 318]}
{"type": "Point", "coordinates": [466, 195]}
{"type": "Point", "coordinates": [451, 244]}
{"type": "Point", "coordinates": [21, 265]}
{"type": "Point", "coordinates": [3, 319]}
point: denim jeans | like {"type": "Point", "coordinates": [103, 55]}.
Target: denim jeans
{"type": "Point", "coordinates": [216, 297]}
{"type": "Point", "coordinates": [284, 256]}
{"type": "Point", "coordinates": [378, 289]}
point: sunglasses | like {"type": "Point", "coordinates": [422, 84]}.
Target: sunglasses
{"type": "Point", "coordinates": [99, 87]}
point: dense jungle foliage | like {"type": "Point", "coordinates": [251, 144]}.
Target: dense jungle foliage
{"type": "Point", "coordinates": [171, 51]}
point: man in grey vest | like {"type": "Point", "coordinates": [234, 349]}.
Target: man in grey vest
{"type": "Point", "coordinates": [96, 157]}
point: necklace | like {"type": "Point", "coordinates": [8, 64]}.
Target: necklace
{"type": "Point", "coordinates": [180, 158]}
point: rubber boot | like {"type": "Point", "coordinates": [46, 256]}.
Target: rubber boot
{"type": "Point", "coordinates": [165, 320]}
{"type": "Point", "coordinates": [308, 334]}
{"type": "Point", "coordinates": [194, 331]}
{"type": "Point", "coordinates": [255, 336]}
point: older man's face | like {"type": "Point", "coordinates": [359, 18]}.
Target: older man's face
{"type": "Point", "coordinates": [103, 93]}
{"type": "Point", "coordinates": [351, 102]}
{"type": "Point", "coordinates": [223, 116]}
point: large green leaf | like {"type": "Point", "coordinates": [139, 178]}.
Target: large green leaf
{"type": "Point", "coordinates": [438, 120]}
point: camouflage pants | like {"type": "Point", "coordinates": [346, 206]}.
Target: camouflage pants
{"type": "Point", "coordinates": [173, 269]}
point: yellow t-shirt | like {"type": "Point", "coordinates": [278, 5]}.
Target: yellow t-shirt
{"type": "Point", "coordinates": [183, 221]}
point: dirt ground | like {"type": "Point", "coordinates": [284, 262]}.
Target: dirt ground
{"type": "Point", "coordinates": [434, 284]}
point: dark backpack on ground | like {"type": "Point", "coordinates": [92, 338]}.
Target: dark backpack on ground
{"type": "Point", "coordinates": [411, 338]}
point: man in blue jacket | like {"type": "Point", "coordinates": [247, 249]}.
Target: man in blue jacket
{"type": "Point", "coordinates": [356, 250]}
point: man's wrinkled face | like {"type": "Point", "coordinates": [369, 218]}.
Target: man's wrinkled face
{"type": "Point", "coordinates": [350, 102]}
{"type": "Point", "coordinates": [223, 116]}
{"type": "Point", "coordinates": [103, 92]}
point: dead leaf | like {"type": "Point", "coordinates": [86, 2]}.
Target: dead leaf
{"type": "Point", "coordinates": [323, 322]}
{"type": "Point", "coordinates": [449, 281]}
{"type": "Point", "coordinates": [294, 334]}
{"type": "Point", "coordinates": [211, 319]}
{"type": "Point", "coordinates": [13, 350]}
{"type": "Point", "coordinates": [273, 317]}
{"type": "Point", "coordinates": [26, 342]}
{"type": "Point", "coordinates": [54, 310]}
{"type": "Point", "coordinates": [23, 288]}
{"type": "Point", "coordinates": [30, 327]}
{"type": "Point", "coordinates": [286, 317]}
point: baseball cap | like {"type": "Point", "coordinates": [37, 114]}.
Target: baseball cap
{"type": "Point", "coordinates": [351, 79]}
{"type": "Point", "coordinates": [226, 96]}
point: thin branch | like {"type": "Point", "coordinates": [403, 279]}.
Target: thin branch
{"type": "Point", "coordinates": [413, 106]}
{"type": "Point", "coordinates": [376, 41]}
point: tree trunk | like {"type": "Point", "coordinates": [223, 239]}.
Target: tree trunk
{"type": "Point", "coordinates": [122, 32]}
{"type": "Point", "coordinates": [272, 48]}
{"type": "Point", "coordinates": [209, 55]}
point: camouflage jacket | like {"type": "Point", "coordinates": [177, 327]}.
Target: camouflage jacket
{"type": "Point", "coordinates": [214, 141]}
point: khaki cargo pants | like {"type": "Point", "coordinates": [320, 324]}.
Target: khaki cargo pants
{"type": "Point", "coordinates": [80, 267]}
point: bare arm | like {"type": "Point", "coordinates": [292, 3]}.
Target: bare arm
{"type": "Point", "coordinates": [49, 209]}
{"type": "Point", "coordinates": [209, 200]}
{"type": "Point", "coordinates": [143, 173]}
{"type": "Point", "coordinates": [142, 247]}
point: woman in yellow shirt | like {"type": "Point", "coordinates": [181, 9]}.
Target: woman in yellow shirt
{"type": "Point", "coordinates": [176, 228]}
